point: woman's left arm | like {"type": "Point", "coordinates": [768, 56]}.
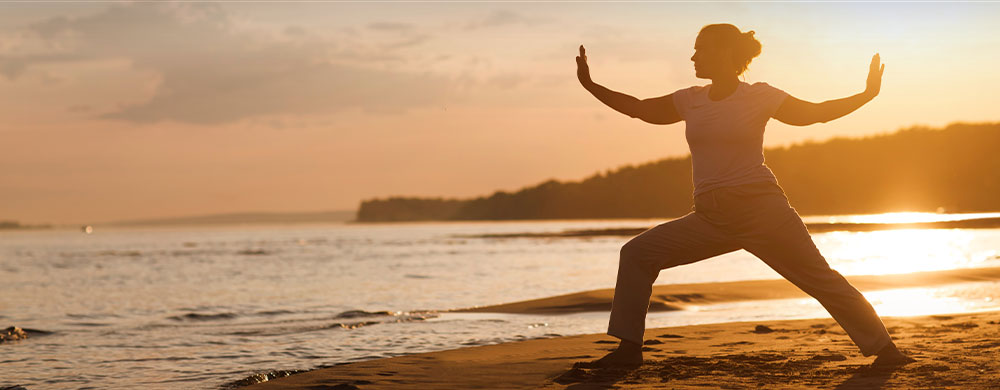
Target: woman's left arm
{"type": "Point", "coordinates": [801, 113]}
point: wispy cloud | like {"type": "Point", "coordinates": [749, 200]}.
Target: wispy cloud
{"type": "Point", "coordinates": [503, 17]}
{"type": "Point", "coordinates": [212, 73]}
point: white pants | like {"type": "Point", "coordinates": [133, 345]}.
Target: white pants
{"type": "Point", "coordinates": [755, 217]}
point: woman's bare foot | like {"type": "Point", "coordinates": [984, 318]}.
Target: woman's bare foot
{"type": "Point", "coordinates": [890, 356]}
{"type": "Point", "coordinates": [628, 355]}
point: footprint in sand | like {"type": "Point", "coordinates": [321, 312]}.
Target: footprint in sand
{"type": "Point", "coordinates": [733, 344]}
{"type": "Point", "coordinates": [833, 357]}
{"type": "Point", "coordinates": [761, 329]}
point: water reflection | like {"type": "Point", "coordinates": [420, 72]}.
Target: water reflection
{"type": "Point", "coordinates": [903, 251]}
{"type": "Point", "coordinates": [898, 217]}
{"type": "Point", "coordinates": [962, 298]}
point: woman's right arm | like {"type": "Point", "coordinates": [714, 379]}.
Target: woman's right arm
{"type": "Point", "coordinates": [659, 110]}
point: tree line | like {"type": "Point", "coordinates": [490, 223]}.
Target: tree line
{"type": "Point", "coordinates": [954, 169]}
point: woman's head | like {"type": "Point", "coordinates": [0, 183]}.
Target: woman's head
{"type": "Point", "coordinates": [722, 50]}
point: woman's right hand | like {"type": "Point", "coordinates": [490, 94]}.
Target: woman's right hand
{"type": "Point", "coordinates": [582, 69]}
{"type": "Point", "coordinates": [874, 83]}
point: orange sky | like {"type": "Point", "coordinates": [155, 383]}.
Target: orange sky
{"type": "Point", "coordinates": [116, 111]}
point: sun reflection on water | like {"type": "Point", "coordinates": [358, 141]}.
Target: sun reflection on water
{"type": "Point", "coordinates": [898, 217]}
{"type": "Point", "coordinates": [901, 251]}
{"type": "Point", "coordinates": [918, 301]}
{"type": "Point", "coordinates": [925, 301]}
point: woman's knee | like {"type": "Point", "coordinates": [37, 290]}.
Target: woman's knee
{"type": "Point", "coordinates": [633, 254]}
{"type": "Point", "coordinates": [630, 251]}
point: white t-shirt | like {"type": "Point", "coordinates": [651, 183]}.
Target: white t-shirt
{"type": "Point", "coordinates": [726, 137]}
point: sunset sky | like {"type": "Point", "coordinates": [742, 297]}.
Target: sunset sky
{"type": "Point", "coordinates": [113, 111]}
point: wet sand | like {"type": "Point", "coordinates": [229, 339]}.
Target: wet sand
{"type": "Point", "coordinates": [953, 351]}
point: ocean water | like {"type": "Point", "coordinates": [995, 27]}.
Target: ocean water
{"type": "Point", "coordinates": [197, 307]}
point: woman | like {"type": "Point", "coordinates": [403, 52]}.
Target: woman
{"type": "Point", "coordinates": [737, 201]}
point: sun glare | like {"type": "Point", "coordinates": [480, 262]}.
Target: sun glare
{"type": "Point", "coordinates": [901, 251]}
{"type": "Point", "coordinates": [925, 301]}
{"type": "Point", "coordinates": [899, 217]}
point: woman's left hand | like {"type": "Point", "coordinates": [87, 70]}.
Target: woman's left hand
{"type": "Point", "coordinates": [874, 84]}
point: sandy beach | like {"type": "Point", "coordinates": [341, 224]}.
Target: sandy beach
{"type": "Point", "coordinates": [952, 351]}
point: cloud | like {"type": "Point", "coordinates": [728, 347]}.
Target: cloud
{"type": "Point", "coordinates": [391, 26]}
{"type": "Point", "coordinates": [507, 80]}
{"type": "Point", "coordinates": [211, 73]}
{"type": "Point", "coordinates": [500, 18]}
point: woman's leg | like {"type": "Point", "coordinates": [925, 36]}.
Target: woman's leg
{"type": "Point", "coordinates": [786, 246]}
{"type": "Point", "coordinates": [681, 241]}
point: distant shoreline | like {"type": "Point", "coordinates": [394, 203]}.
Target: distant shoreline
{"type": "Point", "coordinates": [14, 225]}
{"type": "Point", "coordinates": [241, 218]}
{"type": "Point", "coordinates": [815, 227]}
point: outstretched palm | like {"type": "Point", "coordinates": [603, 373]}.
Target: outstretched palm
{"type": "Point", "coordinates": [582, 69]}
{"type": "Point", "coordinates": [874, 84]}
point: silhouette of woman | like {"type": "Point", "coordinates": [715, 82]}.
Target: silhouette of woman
{"type": "Point", "coordinates": [738, 203]}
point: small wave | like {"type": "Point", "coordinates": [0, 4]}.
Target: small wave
{"type": "Point", "coordinates": [92, 316]}
{"type": "Point", "coordinates": [302, 327]}
{"type": "Point", "coordinates": [88, 324]}
{"type": "Point", "coordinates": [273, 312]}
{"type": "Point", "coordinates": [362, 313]}
{"type": "Point", "coordinates": [203, 317]}
{"type": "Point", "coordinates": [253, 252]}
{"type": "Point", "coordinates": [120, 253]}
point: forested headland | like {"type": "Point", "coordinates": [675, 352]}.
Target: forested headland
{"type": "Point", "coordinates": [955, 169]}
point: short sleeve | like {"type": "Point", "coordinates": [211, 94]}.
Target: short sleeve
{"type": "Point", "coordinates": [769, 98]}
{"type": "Point", "coordinates": [682, 100]}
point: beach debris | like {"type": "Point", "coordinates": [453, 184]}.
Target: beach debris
{"type": "Point", "coordinates": [13, 333]}
{"type": "Point", "coordinates": [260, 378]}
{"type": "Point", "coordinates": [652, 342]}
{"type": "Point", "coordinates": [761, 329]}
{"type": "Point", "coordinates": [670, 336]}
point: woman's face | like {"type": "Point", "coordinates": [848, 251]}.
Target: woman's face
{"type": "Point", "coordinates": [711, 60]}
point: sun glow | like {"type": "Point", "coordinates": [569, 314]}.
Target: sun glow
{"type": "Point", "coordinates": [902, 251]}
{"type": "Point", "coordinates": [898, 217]}
{"type": "Point", "coordinates": [924, 301]}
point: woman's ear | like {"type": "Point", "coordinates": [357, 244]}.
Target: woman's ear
{"type": "Point", "coordinates": [733, 61]}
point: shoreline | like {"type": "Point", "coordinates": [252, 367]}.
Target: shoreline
{"type": "Point", "coordinates": [951, 350]}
